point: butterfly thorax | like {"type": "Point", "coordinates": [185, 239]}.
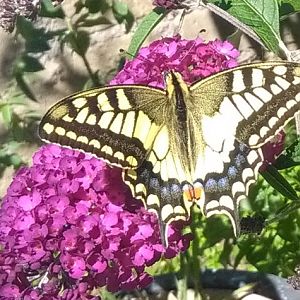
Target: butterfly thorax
{"type": "Point", "coordinates": [181, 127]}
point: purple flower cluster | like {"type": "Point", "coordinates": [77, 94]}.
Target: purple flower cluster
{"type": "Point", "coordinates": [68, 223]}
{"type": "Point", "coordinates": [194, 59]}
{"type": "Point", "coordinates": [9, 10]}
{"type": "Point", "coordinates": [169, 4]}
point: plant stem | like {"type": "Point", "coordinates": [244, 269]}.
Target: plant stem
{"type": "Point", "coordinates": [93, 77]}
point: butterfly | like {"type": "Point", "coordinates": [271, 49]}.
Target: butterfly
{"type": "Point", "coordinates": [185, 144]}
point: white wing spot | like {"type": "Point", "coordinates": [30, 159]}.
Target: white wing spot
{"type": "Point", "coordinates": [48, 128]}
{"type": "Point", "coordinates": [71, 135]}
{"type": "Point", "coordinates": [253, 101]}
{"type": "Point", "coordinates": [79, 102]}
{"type": "Point", "coordinates": [119, 155]}
{"type": "Point", "coordinates": [117, 123]}
{"type": "Point", "coordinates": [275, 89]}
{"type": "Point", "coordinates": [107, 149]}
{"type": "Point", "coordinates": [123, 100]}
{"type": "Point", "coordinates": [296, 80]}
{"type": "Point", "coordinates": [166, 211]}
{"type": "Point", "coordinates": [212, 205]}
{"type": "Point", "coordinates": [60, 131]}
{"type": "Point", "coordinates": [227, 202]}
{"type": "Point", "coordinates": [281, 112]}
{"type": "Point", "coordinates": [238, 84]}
{"type": "Point", "coordinates": [252, 157]}
{"type": "Point", "coordinates": [102, 99]}
{"type": "Point", "coordinates": [67, 118]}
{"type": "Point", "coordinates": [263, 94]}
{"type": "Point", "coordinates": [103, 103]}
{"type": "Point", "coordinates": [140, 188]}
{"type": "Point", "coordinates": [132, 161]}
{"type": "Point", "coordinates": [83, 139]}
{"type": "Point", "coordinates": [237, 187]}
{"type": "Point", "coordinates": [247, 173]}
{"type": "Point", "coordinates": [280, 70]}
{"type": "Point", "coordinates": [128, 124]}
{"type": "Point", "coordinates": [253, 140]}
{"type": "Point", "coordinates": [95, 143]}
{"type": "Point", "coordinates": [242, 105]}
{"type": "Point", "coordinates": [290, 103]}
{"type": "Point", "coordinates": [82, 115]}
{"type": "Point", "coordinates": [153, 200]}
{"type": "Point", "coordinates": [91, 120]}
{"type": "Point", "coordinates": [161, 143]}
{"type": "Point", "coordinates": [179, 210]}
{"type": "Point", "coordinates": [282, 82]}
{"type": "Point", "coordinates": [263, 131]}
{"type": "Point", "coordinates": [142, 127]}
{"type": "Point", "coordinates": [273, 121]}
{"type": "Point", "coordinates": [257, 78]}
{"type": "Point", "coordinates": [106, 119]}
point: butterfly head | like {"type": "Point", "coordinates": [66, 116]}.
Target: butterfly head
{"type": "Point", "coordinates": [175, 84]}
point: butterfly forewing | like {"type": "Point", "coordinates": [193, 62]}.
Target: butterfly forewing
{"type": "Point", "coordinates": [252, 102]}
{"type": "Point", "coordinates": [117, 124]}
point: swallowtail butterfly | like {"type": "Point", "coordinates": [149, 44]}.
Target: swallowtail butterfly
{"type": "Point", "coordinates": [199, 143]}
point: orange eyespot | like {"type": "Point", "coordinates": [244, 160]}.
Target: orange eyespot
{"type": "Point", "coordinates": [198, 192]}
{"type": "Point", "coordinates": [192, 193]}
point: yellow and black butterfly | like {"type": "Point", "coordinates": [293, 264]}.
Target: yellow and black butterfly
{"type": "Point", "coordinates": [185, 144]}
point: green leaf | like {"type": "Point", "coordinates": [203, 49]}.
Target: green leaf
{"type": "Point", "coordinates": [290, 157]}
{"type": "Point", "coordinates": [279, 183]}
{"type": "Point", "coordinates": [16, 160]}
{"type": "Point", "coordinates": [215, 231]}
{"type": "Point", "coordinates": [145, 28]}
{"type": "Point", "coordinates": [79, 41]}
{"type": "Point", "coordinates": [50, 11]}
{"type": "Point", "coordinates": [24, 87]}
{"type": "Point", "coordinates": [289, 6]}
{"type": "Point", "coordinates": [263, 17]}
{"type": "Point", "coordinates": [120, 8]}
{"type": "Point", "coordinates": [36, 45]}
{"type": "Point", "coordinates": [123, 14]}
{"type": "Point", "coordinates": [27, 63]}
{"type": "Point", "coordinates": [26, 29]}
{"type": "Point", "coordinates": [95, 6]}
{"type": "Point", "coordinates": [90, 21]}
{"type": "Point", "coordinates": [6, 115]}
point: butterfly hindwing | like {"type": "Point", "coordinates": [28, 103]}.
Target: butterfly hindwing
{"type": "Point", "coordinates": [159, 181]}
{"type": "Point", "coordinates": [113, 123]}
{"type": "Point", "coordinates": [225, 189]}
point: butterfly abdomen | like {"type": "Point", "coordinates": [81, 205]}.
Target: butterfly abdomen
{"type": "Point", "coordinates": [181, 130]}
